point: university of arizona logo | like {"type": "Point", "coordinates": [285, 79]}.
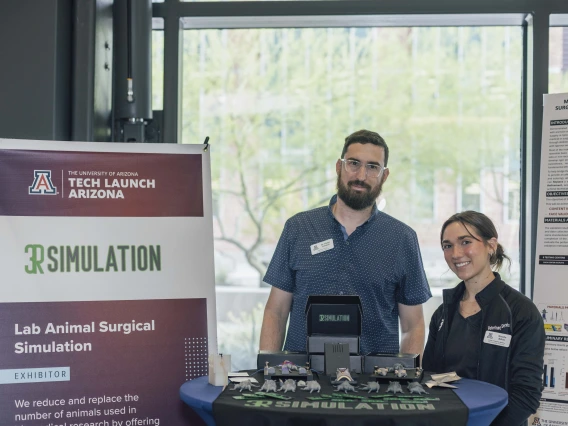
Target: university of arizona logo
{"type": "Point", "coordinates": [42, 183]}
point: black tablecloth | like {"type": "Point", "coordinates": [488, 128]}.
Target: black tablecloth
{"type": "Point", "coordinates": [443, 408]}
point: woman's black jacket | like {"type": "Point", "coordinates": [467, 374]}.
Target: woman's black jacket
{"type": "Point", "coordinates": [518, 368]}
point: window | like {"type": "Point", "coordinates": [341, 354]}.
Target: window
{"type": "Point", "coordinates": [470, 196]}
{"type": "Point", "coordinates": [278, 102]}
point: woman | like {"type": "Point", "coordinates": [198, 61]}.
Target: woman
{"type": "Point", "coordinates": [485, 329]}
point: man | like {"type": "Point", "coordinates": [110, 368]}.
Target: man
{"type": "Point", "coordinates": [349, 247]}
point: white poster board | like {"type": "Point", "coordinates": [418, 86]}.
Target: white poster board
{"type": "Point", "coordinates": [551, 270]}
{"type": "Point", "coordinates": [107, 297]}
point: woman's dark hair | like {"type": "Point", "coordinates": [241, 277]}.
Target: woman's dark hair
{"type": "Point", "coordinates": [366, 136]}
{"type": "Point", "coordinates": [484, 228]}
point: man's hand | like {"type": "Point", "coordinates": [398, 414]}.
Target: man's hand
{"type": "Point", "coordinates": [412, 328]}
{"type": "Point", "coordinates": [274, 322]}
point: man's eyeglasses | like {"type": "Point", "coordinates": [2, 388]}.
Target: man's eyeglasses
{"type": "Point", "coordinates": [371, 170]}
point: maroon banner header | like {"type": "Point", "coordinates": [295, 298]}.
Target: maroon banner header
{"type": "Point", "coordinates": [104, 184]}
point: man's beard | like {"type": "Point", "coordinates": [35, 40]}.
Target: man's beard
{"type": "Point", "coordinates": [358, 200]}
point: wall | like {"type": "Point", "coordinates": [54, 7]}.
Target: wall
{"type": "Point", "coordinates": [35, 69]}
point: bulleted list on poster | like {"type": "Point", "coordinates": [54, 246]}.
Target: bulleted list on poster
{"type": "Point", "coordinates": [555, 208]}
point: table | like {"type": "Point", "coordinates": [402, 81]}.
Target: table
{"type": "Point", "coordinates": [484, 401]}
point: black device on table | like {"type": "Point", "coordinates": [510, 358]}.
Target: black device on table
{"type": "Point", "coordinates": [334, 326]}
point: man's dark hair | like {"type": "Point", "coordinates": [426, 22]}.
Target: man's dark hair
{"type": "Point", "coordinates": [366, 136]}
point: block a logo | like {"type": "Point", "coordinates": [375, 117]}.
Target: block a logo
{"type": "Point", "coordinates": [42, 184]}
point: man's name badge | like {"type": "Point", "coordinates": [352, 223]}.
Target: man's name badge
{"type": "Point", "coordinates": [321, 247]}
{"type": "Point", "coordinates": [499, 339]}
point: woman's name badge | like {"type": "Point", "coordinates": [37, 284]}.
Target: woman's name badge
{"type": "Point", "coordinates": [321, 247]}
{"type": "Point", "coordinates": [499, 339]}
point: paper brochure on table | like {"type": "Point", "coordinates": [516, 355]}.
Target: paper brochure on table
{"type": "Point", "coordinates": [443, 380]}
